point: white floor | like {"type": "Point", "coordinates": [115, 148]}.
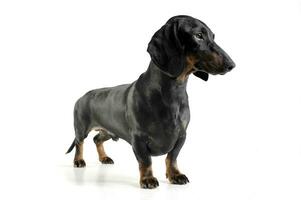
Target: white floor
{"type": "Point", "coordinates": [214, 174]}
{"type": "Point", "coordinates": [116, 182]}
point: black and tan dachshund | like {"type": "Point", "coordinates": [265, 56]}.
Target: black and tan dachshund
{"type": "Point", "coordinates": [152, 113]}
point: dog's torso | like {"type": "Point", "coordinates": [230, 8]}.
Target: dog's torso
{"type": "Point", "coordinates": [153, 108]}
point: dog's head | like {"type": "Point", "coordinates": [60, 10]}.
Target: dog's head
{"type": "Point", "coordinates": [186, 45]}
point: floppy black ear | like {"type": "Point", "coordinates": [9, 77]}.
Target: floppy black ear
{"type": "Point", "coordinates": [202, 75]}
{"type": "Point", "coordinates": [166, 50]}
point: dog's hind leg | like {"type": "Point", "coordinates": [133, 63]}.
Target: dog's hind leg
{"type": "Point", "coordinates": [81, 125]}
{"type": "Point", "coordinates": [79, 147]}
{"type": "Point", "coordinates": [78, 158]}
{"type": "Point", "coordinates": [99, 139]}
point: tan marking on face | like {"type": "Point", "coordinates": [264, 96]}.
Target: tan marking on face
{"type": "Point", "coordinates": [171, 168]}
{"type": "Point", "coordinates": [191, 60]}
{"type": "Point", "coordinates": [217, 59]}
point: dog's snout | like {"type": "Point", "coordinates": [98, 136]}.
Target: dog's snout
{"type": "Point", "coordinates": [228, 63]}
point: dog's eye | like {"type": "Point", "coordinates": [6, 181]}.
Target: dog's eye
{"type": "Point", "coordinates": [199, 36]}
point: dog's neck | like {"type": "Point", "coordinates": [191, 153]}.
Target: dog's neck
{"type": "Point", "coordinates": [154, 79]}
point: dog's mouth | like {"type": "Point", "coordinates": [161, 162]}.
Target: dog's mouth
{"type": "Point", "coordinates": [211, 68]}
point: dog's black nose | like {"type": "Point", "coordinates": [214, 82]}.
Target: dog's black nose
{"type": "Point", "coordinates": [230, 67]}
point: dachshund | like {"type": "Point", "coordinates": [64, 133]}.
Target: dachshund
{"type": "Point", "coordinates": [152, 113]}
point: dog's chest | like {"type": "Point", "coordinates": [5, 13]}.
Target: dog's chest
{"type": "Point", "coordinates": [165, 123]}
{"type": "Point", "coordinates": [164, 110]}
{"type": "Point", "coordinates": [160, 113]}
{"type": "Point", "coordinates": [163, 135]}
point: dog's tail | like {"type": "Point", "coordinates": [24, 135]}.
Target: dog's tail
{"type": "Point", "coordinates": [71, 147]}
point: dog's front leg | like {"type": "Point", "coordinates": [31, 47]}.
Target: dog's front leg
{"type": "Point", "coordinates": [172, 172]}
{"type": "Point", "coordinates": [147, 180]}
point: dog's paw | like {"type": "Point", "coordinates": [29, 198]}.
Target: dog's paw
{"type": "Point", "coordinates": [149, 182]}
{"type": "Point", "coordinates": [179, 179]}
{"type": "Point", "coordinates": [106, 160]}
{"type": "Point", "coordinates": [79, 163]}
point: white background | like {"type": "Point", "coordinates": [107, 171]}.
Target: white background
{"type": "Point", "coordinates": [244, 138]}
